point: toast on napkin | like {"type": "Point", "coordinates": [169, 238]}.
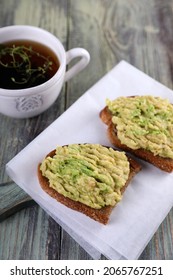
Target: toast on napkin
{"type": "Point", "coordinates": [88, 178]}
{"type": "Point", "coordinates": [143, 126]}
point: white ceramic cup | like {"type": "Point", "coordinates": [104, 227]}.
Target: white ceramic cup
{"type": "Point", "coordinates": [29, 102]}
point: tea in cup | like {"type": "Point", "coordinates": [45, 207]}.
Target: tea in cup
{"type": "Point", "coordinates": [33, 69]}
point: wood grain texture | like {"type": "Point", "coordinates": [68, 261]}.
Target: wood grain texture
{"type": "Point", "coordinates": [13, 199]}
{"type": "Point", "coordinates": [139, 32]}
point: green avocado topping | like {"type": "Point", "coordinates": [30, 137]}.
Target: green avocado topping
{"type": "Point", "coordinates": [88, 173]}
{"type": "Point", "coordinates": [144, 122]}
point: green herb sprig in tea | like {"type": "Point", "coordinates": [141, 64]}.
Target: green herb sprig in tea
{"type": "Point", "coordinates": [24, 65]}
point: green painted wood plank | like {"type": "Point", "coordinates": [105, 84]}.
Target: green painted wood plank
{"type": "Point", "coordinates": [25, 235]}
{"type": "Point", "coordinates": [13, 199]}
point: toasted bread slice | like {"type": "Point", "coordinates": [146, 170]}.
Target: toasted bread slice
{"type": "Point", "coordinates": [165, 164]}
{"type": "Point", "coordinates": [101, 215]}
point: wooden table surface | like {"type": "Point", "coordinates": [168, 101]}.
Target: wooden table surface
{"type": "Point", "coordinates": [140, 32]}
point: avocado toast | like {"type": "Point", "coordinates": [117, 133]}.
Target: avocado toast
{"type": "Point", "coordinates": [89, 178]}
{"type": "Point", "coordinates": [142, 125]}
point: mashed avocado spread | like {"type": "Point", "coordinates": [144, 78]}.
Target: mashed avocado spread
{"type": "Point", "coordinates": [144, 122]}
{"type": "Point", "coordinates": [88, 173]}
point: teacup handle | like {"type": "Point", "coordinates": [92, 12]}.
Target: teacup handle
{"type": "Point", "coordinates": [80, 65]}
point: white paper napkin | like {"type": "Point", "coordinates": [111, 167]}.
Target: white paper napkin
{"type": "Point", "coordinates": [147, 200]}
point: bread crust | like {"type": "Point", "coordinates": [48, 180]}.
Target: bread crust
{"type": "Point", "coordinates": [101, 215]}
{"type": "Point", "coordinates": [165, 164]}
{"type": "Point", "coordinates": [106, 116]}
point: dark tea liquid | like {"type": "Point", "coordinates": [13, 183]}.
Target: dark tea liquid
{"type": "Point", "coordinates": [15, 77]}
